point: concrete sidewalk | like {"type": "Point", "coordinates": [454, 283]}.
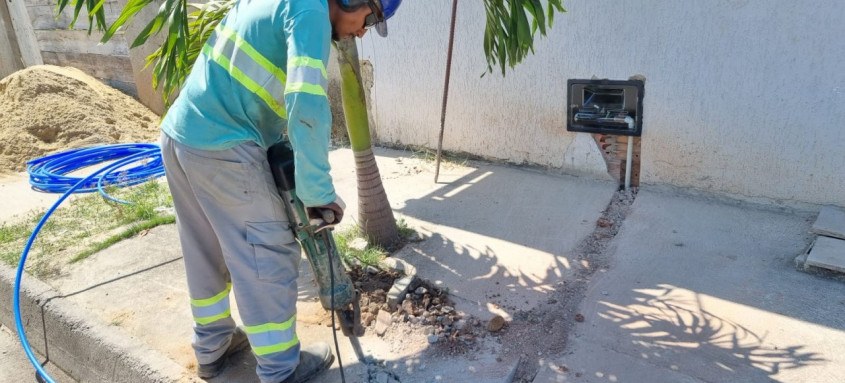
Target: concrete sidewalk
{"type": "Point", "coordinates": [704, 290]}
{"type": "Point", "coordinates": [691, 289]}
{"type": "Point", "coordinates": [483, 235]}
{"type": "Point", "coordinates": [15, 367]}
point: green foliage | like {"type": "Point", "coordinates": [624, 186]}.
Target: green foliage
{"type": "Point", "coordinates": [371, 255]}
{"type": "Point", "coordinates": [94, 8]}
{"type": "Point", "coordinates": [185, 33]}
{"type": "Point", "coordinates": [508, 35]}
{"type": "Point", "coordinates": [85, 226]}
{"type": "Point", "coordinates": [405, 231]}
{"type": "Point", "coordinates": [172, 66]}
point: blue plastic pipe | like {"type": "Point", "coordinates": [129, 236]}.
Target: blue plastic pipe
{"type": "Point", "coordinates": [48, 174]}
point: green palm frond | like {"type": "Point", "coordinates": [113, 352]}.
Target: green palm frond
{"type": "Point", "coordinates": [172, 66]}
{"type": "Point", "coordinates": [508, 38]}
{"type": "Point", "coordinates": [509, 35]}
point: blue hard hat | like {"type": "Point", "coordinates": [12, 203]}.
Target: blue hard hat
{"type": "Point", "coordinates": [388, 9]}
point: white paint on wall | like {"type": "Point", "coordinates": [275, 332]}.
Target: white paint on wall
{"type": "Point", "coordinates": [584, 157]}
{"type": "Point", "coordinates": [745, 97]}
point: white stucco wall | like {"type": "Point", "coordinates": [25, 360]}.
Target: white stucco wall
{"type": "Point", "coordinates": [745, 97]}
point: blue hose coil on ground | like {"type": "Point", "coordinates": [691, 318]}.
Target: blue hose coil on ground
{"type": "Point", "coordinates": [48, 174]}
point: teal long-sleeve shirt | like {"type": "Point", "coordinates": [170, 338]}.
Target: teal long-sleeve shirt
{"type": "Point", "coordinates": [262, 74]}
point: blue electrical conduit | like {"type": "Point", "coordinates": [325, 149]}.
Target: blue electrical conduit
{"type": "Point", "coordinates": [48, 174]}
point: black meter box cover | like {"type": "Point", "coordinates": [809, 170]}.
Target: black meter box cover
{"type": "Point", "coordinates": [605, 106]}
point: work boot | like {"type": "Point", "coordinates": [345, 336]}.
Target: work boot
{"type": "Point", "coordinates": [313, 360]}
{"type": "Point", "coordinates": [238, 343]}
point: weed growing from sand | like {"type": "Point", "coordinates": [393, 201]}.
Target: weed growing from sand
{"type": "Point", "coordinates": [447, 159]}
{"type": "Point", "coordinates": [370, 255]}
{"type": "Point", "coordinates": [86, 225]}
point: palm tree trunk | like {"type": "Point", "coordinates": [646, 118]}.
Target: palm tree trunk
{"type": "Point", "coordinates": [374, 213]}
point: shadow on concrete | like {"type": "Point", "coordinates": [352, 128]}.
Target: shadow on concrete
{"type": "Point", "coordinates": [672, 329]}
{"type": "Point", "coordinates": [477, 274]}
{"type": "Point", "coordinates": [524, 207]}
{"type": "Point", "coordinates": [47, 301]}
{"type": "Point", "coordinates": [241, 369]}
{"type": "Point", "coordinates": [101, 284]}
{"type": "Point", "coordinates": [503, 236]}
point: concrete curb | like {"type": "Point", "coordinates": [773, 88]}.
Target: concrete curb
{"type": "Point", "coordinates": [85, 349]}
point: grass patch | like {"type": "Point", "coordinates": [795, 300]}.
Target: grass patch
{"type": "Point", "coordinates": [126, 233]}
{"type": "Point", "coordinates": [446, 158]}
{"type": "Point", "coordinates": [85, 226]}
{"type": "Point", "coordinates": [370, 255]}
{"type": "Point", "coordinates": [405, 231]}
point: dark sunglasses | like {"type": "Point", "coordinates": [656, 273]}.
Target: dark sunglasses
{"type": "Point", "coordinates": [373, 18]}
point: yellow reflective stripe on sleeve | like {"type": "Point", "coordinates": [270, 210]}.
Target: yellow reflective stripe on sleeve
{"type": "Point", "coordinates": [247, 82]}
{"type": "Point", "coordinates": [264, 350]}
{"type": "Point", "coordinates": [309, 62]}
{"type": "Point", "coordinates": [242, 45]}
{"type": "Point", "coordinates": [305, 87]}
{"type": "Point", "coordinates": [270, 326]}
{"type": "Point", "coordinates": [207, 320]}
{"type": "Point", "coordinates": [210, 301]}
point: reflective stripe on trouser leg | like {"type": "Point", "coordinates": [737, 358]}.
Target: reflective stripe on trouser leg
{"type": "Point", "coordinates": [206, 270]}
{"type": "Point", "coordinates": [208, 310]}
{"type": "Point", "coordinates": [235, 190]}
{"type": "Point", "coordinates": [272, 338]}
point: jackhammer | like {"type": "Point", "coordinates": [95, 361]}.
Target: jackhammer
{"type": "Point", "coordinates": [337, 293]}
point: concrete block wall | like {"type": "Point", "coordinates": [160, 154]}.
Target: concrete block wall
{"type": "Point", "coordinates": [64, 46]}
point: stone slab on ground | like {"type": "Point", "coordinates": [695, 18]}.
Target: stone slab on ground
{"type": "Point", "coordinates": [831, 222]}
{"type": "Point", "coordinates": [704, 290]}
{"type": "Point", "coordinates": [828, 253]}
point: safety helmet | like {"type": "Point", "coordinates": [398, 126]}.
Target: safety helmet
{"type": "Point", "coordinates": [382, 11]}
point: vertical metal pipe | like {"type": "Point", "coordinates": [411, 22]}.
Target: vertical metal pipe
{"type": "Point", "coordinates": [628, 159]}
{"type": "Point", "coordinates": [446, 89]}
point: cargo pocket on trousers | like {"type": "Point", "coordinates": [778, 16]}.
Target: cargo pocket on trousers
{"type": "Point", "coordinates": [275, 249]}
{"type": "Point", "coordinates": [224, 182]}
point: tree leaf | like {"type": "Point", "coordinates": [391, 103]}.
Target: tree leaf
{"type": "Point", "coordinates": [128, 12]}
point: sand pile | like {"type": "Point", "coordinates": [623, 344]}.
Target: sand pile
{"type": "Point", "coordinates": [46, 109]}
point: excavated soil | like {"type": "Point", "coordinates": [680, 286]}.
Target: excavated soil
{"type": "Point", "coordinates": [427, 311]}
{"type": "Point", "coordinates": [46, 109]}
{"type": "Point", "coordinates": [542, 331]}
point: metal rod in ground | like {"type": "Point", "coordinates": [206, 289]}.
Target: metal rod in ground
{"type": "Point", "coordinates": [330, 252]}
{"type": "Point", "coordinates": [446, 89]}
{"type": "Point", "coordinates": [628, 159]}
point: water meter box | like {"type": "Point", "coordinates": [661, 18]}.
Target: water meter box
{"type": "Point", "coordinates": [605, 106]}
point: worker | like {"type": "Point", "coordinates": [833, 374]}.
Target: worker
{"type": "Point", "coordinates": [259, 79]}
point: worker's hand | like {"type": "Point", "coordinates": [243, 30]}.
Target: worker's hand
{"type": "Point", "coordinates": [330, 214]}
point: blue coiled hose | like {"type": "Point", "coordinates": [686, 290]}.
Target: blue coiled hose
{"type": "Point", "coordinates": [48, 174]}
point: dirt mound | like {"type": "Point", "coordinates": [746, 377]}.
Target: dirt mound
{"type": "Point", "coordinates": [45, 109]}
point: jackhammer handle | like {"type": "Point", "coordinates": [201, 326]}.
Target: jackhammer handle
{"type": "Point", "coordinates": [328, 215]}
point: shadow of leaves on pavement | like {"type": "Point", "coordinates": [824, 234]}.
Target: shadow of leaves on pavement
{"type": "Point", "coordinates": [667, 320]}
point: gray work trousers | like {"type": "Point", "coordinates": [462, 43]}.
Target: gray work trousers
{"type": "Point", "coordinates": [235, 235]}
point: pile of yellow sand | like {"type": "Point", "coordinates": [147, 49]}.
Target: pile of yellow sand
{"type": "Point", "coordinates": [46, 109]}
